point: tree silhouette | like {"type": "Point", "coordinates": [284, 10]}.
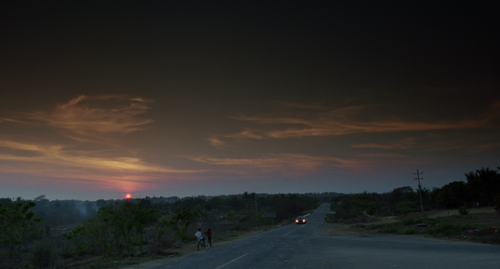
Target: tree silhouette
{"type": "Point", "coordinates": [483, 185]}
{"type": "Point", "coordinates": [16, 222]}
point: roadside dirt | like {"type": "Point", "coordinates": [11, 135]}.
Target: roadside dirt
{"type": "Point", "coordinates": [431, 215]}
{"type": "Point", "coordinates": [451, 212]}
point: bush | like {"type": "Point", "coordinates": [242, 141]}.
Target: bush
{"type": "Point", "coordinates": [410, 221]}
{"type": "Point", "coordinates": [497, 203]}
{"type": "Point", "coordinates": [341, 214]}
{"type": "Point", "coordinates": [231, 215]}
{"type": "Point", "coordinates": [463, 210]}
{"type": "Point", "coordinates": [466, 217]}
{"type": "Point", "coordinates": [183, 235]}
{"type": "Point", "coordinates": [371, 211]}
{"type": "Point", "coordinates": [77, 236]}
{"type": "Point", "coordinates": [406, 206]}
{"type": "Point", "coordinates": [43, 254]}
{"type": "Point", "coordinates": [238, 227]}
{"type": "Point", "coordinates": [454, 229]}
{"type": "Point", "coordinates": [408, 231]}
{"type": "Point", "coordinates": [389, 230]}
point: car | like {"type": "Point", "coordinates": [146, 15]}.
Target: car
{"type": "Point", "coordinates": [300, 220]}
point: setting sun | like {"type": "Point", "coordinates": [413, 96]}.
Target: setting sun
{"type": "Point", "coordinates": [128, 196]}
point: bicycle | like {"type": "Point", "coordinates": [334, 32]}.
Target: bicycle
{"type": "Point", "coordinates": [203, 243]}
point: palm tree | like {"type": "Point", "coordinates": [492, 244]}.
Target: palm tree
{"type": "Point", "coordinates": [483, 185]}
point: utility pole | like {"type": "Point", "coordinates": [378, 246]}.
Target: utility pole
{"type": "Point", "coordinates": [419, 188]}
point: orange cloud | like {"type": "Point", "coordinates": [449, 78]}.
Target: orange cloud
{"type": "Point", "coordinates": [60, 156]}
{"type": "Point", "coordinates": [288, 164]}
{"type": "Point", "coordinates": [331, 127]}
{"type": "Point", "coordinates": [401, 144]}
{"type": "Point", "coordinates": [316, 122]}
{"type": "Point", "coordinates": [86, 119]}
{"type": "Point", "coordinates": [216, 142]}
{"type": "Point", "coordinates": [92, 116]}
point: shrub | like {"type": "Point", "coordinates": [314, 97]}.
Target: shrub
{"type": "Point", "coordinates": [466, 217]}
{"type": "Point", "coordinates": [454, 229]}
{"type": "Point", "coordinates": [410, 221]}
{"type": "Point", "coordinates": [497, 202]}
{"type": "Point", "coordinates": [463, 210]}
{"type": "Point", "coordinates": [43, 254]}
{"type": "Point", "coordinates": [237, 227]}
{"type": "Point", "coordinates": [406, 206]}
{"type": "Point", "coordinates": [231, 215]}
{"type": "Point", "coordinates": [342, 214]}
{"type": "Point", "coordinates": [77, 236]}
{"type": "Point", "coordinates": [408, 231]}
{"type": "Point", "coordinates": [389, 230]}
{"type": "Point", "coordinates": [371, 211]}
{"type": "Point", "coordinates": [183, 235]}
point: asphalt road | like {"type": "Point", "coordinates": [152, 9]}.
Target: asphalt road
{"type": "Point", "coordinates": [300, 246]}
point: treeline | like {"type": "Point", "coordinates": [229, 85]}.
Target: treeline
{"type": "Point", "coordinates": [121, 228]}
{"type": "Point", "coordinates": [285, 205]}
{"type": "Point", "coordinates": [57, 213]}
{"type": "Point", "coordinates": [481, 188]}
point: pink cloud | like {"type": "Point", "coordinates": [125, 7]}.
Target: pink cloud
{"type": "Point", "coordinates": [96, 125]}
{"type": "Point", "coordinates": [288, 164]}
{"type": "Point", "coordinates": [315, 121]}
{"type": "Point", "coordinates": [60, 156]}
{"type": "Point", "coordinates": [401, 144]}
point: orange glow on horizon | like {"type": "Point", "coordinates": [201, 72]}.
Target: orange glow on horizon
{"type": "Point", "coordinates": [128, 196]}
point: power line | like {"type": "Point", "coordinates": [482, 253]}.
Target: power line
{"type": "Point", "coordinates": [419, 188]}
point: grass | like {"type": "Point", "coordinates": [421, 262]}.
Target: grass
{"type": "Point", "coordinates": [448, 229]}
{"type": "Point", "coordinates": [119, 263]}
{"type": "Point", "coordinates": [410, 221]}
{"type": "Point", "coordinates": [440, 229]}
{"type": "Point", "coordinates": [394, 230]}
{"type": "Point", "coordinates": [389, 230]}
{"type": "Point", "coordinates": [407, 231]}
{"type": "Point", "coordinates": [4, 254]}
{"type": "Point", "coordinates": [466, 217]}
{"type": "Point", "coordinates": [484, 226]}
{"type": "Point", "coordinates": [230, 235]}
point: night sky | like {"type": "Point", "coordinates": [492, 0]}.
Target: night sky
{"type": "Point", "coordinates": [184, 98]}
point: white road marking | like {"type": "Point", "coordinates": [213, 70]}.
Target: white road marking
{"type": "Point", "coordinates": [232, 261]}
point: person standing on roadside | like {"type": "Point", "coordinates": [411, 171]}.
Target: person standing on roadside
{"type": "Point", "coordinates": [198, 238]}
{"type": "Point", "coordinates": [209, 236]}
